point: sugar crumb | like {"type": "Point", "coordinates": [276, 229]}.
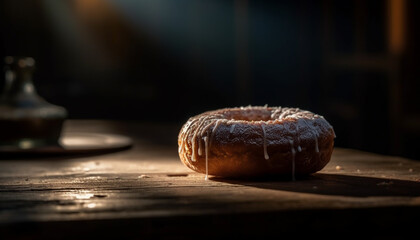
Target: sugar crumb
{"type": "Point", "coordinates": [143, 176]}
{"type": "Point", "coordinates": [385, 183]}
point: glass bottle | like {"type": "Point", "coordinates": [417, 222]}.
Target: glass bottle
{"type": "Point", "coordinates": [26, 120]}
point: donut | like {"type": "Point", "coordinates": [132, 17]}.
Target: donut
{"type": "Point", "coordinates": [256, 141]}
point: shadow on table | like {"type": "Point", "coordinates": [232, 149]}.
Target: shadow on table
{"type": "Point", "coordinates": [336, 184]}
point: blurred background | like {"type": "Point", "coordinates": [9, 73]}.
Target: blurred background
{"type": "Point", "coordinates": [353, 61]}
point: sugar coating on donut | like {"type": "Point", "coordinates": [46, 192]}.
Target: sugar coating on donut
{"type": "Point", "coordinates": [256, 140]}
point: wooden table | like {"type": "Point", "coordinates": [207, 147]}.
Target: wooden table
{"type": "Point", "coordinates": [146, 192]}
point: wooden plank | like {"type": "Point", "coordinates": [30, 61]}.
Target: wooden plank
{"type": "Point", "coordinates": [149, 183]}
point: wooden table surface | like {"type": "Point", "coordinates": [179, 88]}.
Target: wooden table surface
{"type": "Point", "coordinates": [146, 191]}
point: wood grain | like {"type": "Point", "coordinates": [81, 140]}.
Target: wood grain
{"type": "Point", "coordinates": [146, 191]}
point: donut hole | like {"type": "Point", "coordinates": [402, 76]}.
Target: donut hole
{"type": "Point", "coordinates": [249, 115]}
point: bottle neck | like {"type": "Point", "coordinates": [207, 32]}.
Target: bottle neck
{"type": "Point", "coordinates": [19, 82]}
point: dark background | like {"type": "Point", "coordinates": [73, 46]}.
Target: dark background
{"type": "Point", "coordinates": [354, 62]}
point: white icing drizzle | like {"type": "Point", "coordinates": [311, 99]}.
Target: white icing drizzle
{"type": "Point", "coordinates": [264, 142]}
{"type": "Point", "coordinates": [181, 146]}
{"type": "Point", "coordinates": [232, 128]}
{"type": "Point", "coordinates": [293, 159]}
{"type": "Point", "coordinates": [193, 140]}
{"type": "Point", "coordinates": [276, 112]}
{"type": "Point", "coordinates": [297, 136]}
{"type": "Point", "coordinates": [216, 125]}
{"type": "Point", "coordinates": [199, 147]}
{"type": "Point", "coordinates": [214, 129]}
{"type": "Point", "coordinates": [290, 113]}
{"type": "Point", "coordinates": [247, 107]}
{"type": "Point", "coordinates": [283, 114]}
{"type": "Point", "coordinates": [198, 132]}
{"type": "Point", "coordinates": [206, 149]}
{"type": "Point", "coordinates": [212, 121]}
{"type": "Point", "coordinates": [193, 151]}
{"type": "Point", "coordinates": [184, 133]}
{"type": "Point", "coordinates": [200, 129]}
{"type": "Point", "coordinates": [316, 142]}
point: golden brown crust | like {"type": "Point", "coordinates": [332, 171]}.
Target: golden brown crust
{"type": "Point", "coordinates": [256, 141]}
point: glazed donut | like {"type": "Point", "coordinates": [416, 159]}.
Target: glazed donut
{"type": "Point", "coordinates": [256, 141]}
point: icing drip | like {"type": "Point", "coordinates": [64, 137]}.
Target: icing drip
{"type": "Point", "coordinates": [293, 159]}
{"type": "Point", "coordinates": [264, 142]}
{"type": "Point", "coordinates": [216, 126]}
{"type": "Point", "coordinates": [212, 121]}
{"type": "Point", "coordinates": [232, 128]}
{"type": "Point", "coordinates": [214, 129]}
{"type": "Point", "coordinates": [206, 149]}
{"type": "Point", "coordinates": [198, 134]}
{"type": "Point", "coordinates": [181, 147]}
{"type": "Point", "coordinates": [297, 136]}
{"type": "Point", "coordinates": [193, 157]}
{"type": "Point", "coordinates": [199, 131]}
{"type": "Point", "coordinates": [199, 147]}
{"type": "Point", "coordinates": [296, 133]}
{"type": "Point", "coordinates": [193, 151]}
{"type": "Point", "coordinates": [184, 133]}
{"type": "Point", "coordinates": [316, 143]}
